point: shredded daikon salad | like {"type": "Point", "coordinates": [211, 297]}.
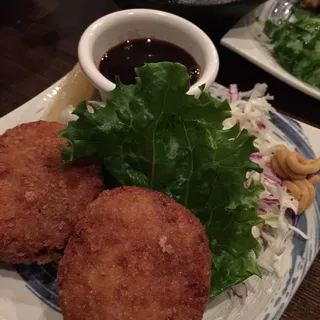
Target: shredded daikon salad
{"type": "Point", "coordinates": [278, 208]}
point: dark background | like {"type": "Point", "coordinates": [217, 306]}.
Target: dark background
{"type": "Point", "coordinates": [38, 42]}
{"type": "Point", "coordinates": [38, 45]}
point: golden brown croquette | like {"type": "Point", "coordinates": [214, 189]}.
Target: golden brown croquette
{"type": "Point", "coordinates": [136, 254]}
{"type": "Point", "coordinates": [39, 200]}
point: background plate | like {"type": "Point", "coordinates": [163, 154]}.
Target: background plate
{"type": "Point", "coordinates": [221, 9]}
{"type": "Point", "coordinates": [245, 38]}
{"type": "Point", "coordinates": [29, 292]}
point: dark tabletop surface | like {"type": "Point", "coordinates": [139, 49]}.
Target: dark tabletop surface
{"type": "Point", "coordinates": [38, 45]}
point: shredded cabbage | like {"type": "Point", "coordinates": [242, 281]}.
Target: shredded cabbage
{"type": "Point", "coordinates": [251, 110]}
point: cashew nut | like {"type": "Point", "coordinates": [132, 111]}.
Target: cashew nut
{"type": "Point", "coordinates": [314, 179]}
{"type": "Point", "coordinates": [282, 154]}
{"type": "Point", "coordinates": [299, 165]}
{"type": "Point", "coordinates": [293, 189]}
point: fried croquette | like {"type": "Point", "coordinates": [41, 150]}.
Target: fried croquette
{"type": "Point", "coordinates": [39, 200]}
{"type": "Point", "coordinates": [136, 254]}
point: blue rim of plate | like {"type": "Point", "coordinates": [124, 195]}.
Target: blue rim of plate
{"type": "Point", "coordinates": [295, 136]}
{"type": "Point", "coordinates": [40, 279]}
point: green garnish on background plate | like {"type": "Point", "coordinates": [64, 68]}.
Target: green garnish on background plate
{"type": "Point", "coordinates": [153, 135]}
{"type": "Point", "coordinates": [297, 45]}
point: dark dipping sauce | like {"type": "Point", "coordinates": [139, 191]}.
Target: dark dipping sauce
{"type": "Point", "coordinates": [125, 57]}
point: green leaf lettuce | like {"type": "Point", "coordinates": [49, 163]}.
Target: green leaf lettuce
{"type": "Point", "coordinates": [296, 45]}
{"type": "Point", "coordinates": [152, 134]}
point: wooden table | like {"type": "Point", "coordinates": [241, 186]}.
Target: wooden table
{"type": "Point", "coordinates": [38, 45]}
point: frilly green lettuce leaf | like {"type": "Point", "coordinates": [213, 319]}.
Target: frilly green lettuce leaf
{"type": "Point", "coordinates": [152, 134]}
{"type": "Point", "coordinates": [296, 45]}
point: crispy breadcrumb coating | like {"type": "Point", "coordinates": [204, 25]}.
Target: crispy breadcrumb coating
{"type": "Point", "coordinates": [136, 255]}
{"type": "Point", "coordinates": [39, 201]}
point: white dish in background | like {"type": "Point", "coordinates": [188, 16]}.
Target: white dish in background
{"type": "Point", "coordinates": [245, 39]}
{"type": "Point", "coordinates": [29, 292]}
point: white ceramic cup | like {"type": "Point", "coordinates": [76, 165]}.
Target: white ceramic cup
{"type": "Point", "coordinates": [115, 28]}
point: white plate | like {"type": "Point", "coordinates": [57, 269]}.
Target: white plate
{"type": "Point", "coordinates": [245, 39]}
{"type": "Point", "coordinates": [29, 292]}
